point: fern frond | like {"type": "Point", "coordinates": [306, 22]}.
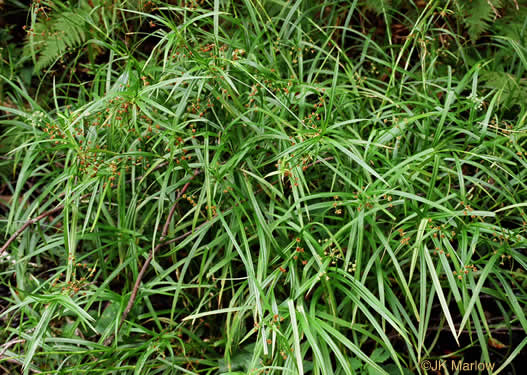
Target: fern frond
{"type": "Point", "coordinates": [378, 6]}
{"type": "Point", "coordinates": [513, 89]}
{"type": "Point", "coordinates": [479, 15]}
{"type": "Point", "coordinates": [53, 38]}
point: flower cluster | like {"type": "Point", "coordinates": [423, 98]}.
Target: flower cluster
{"type": "Point", "coordinates": [468, 268]}
{"type": "Point", "coordinates": [478, 102]}
{"type": "Point", "coordinates": [74, 286]}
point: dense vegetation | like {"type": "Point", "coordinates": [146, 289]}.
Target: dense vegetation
{"type": "Point", "coordinates": [262, 187]}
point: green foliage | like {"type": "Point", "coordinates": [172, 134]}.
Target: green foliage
{"type": "Point", "coordinates": [344, 201]}
{"type": "Point", "coordinates": [512, 90]}
{"type": "Point", "coordinates": [480, 16]}
{"type": "Point", "coordinates": [59, 28]}
{"type": "Point", "coordinates": [53, 39]}
{"type": "Point", "coordinates": [378, 6]}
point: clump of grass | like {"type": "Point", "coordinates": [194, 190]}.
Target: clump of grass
{"type": "Point", "coordinates": [254, 189]}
